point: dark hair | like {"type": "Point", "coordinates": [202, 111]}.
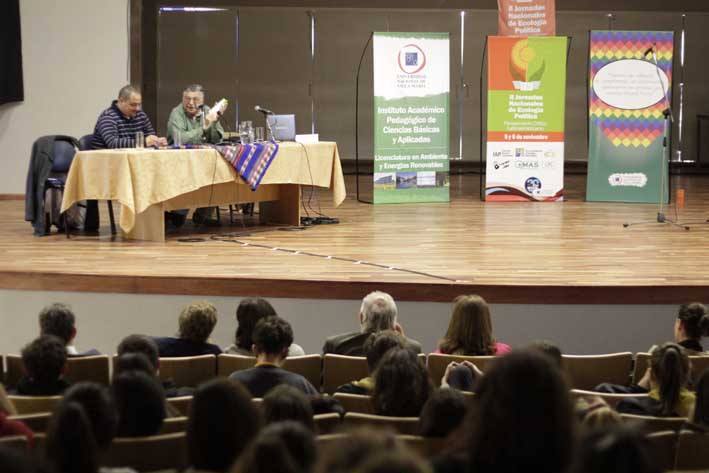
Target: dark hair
{"type": "Point", "coordinates": [44, 358]}
{"type": "Point", "coordinates": [272, 335]}
{"type": "Point", "coordinates": [548, 348]}
{"type": "Point", "coordinates": [694, 319]}
{"type": "Point", "coordinates": [96, 401]}
{"type": "Point", "coordinates": [140, 344]}
{"type": "Point", "coordinates": [267, 454]}
{"type": "Point", "coordinates": [443, 413]}
{"type": "Point", "coordinates": [669, 365]}
{"type": "Point", "coordinates": [470, 328]}
{"type": "Point", "coordinates": [249, 312]}
{"type": "Point", "coordinates": [618, 449]}
{"type": "Point", "coordinates": [140, 402]}
{"type": "Point", "coordinates": [378, 344]}
{"type": "Point", "coordinates": [397, 461]}
{"type": "Point", "coordinates": [298, 440]}
{"type": "Point", "coordinates": [285, 402]}
{"type": "Point", "coordinates": [71, 446]}
{"type": "Point", "coordinates": [57, 319]}
{"type": "Point", "coordinates": [522, 417]}
{"type": "Point", "coordinates": [701, 405]}
{"type": "Point", "coordinates": [133, 362]}
{"type": "Point", "coordinates": [350, 452]}
{"type": "Point", "coordinates": [13, 461]}
{"type": "Point", "coordinates": [401, 384]}
{"type": "Point", "coordinates": [223, 420]}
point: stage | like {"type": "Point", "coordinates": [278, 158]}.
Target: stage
{"type": "Point", "coordinates": [574, 252]}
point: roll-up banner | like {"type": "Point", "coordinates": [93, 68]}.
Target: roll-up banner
{"type": "Point", "coordinates": [626, 124]}
{"type": "Point", "coordinates": [526, 18]}
{"type": "Point", "coordinates": [411, 122]}
{"type": "Point", "coordinates": [525, 121]}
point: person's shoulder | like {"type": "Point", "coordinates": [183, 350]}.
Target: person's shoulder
{"type": "Point", "coordinates": [335, 343]}
{"type": "Point", "coordinates": [414, 345]}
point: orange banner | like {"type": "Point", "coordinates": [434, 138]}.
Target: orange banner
{"type": "Point", "coordinates": [526, 17]}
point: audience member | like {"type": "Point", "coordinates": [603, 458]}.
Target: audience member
{"type": "Point", "coordinates": [140, 403]}
{"type": "Point", "coordinates": [549, 349]}
{"type": "Point", "coordinates": [44, 359]}
{"type": "Point", "coordinates": [443, 413]}
{"type": "Point", "coordinates": [378, 312]}
{"type": "Point", "coordinates": [222, 422]}
{"type": "Point", "coordinates": [401, 384]}
{"type": "Point", "coordinates": [615, 449]}
{"type": "Point", "coordinates": [272, 337]}
{"type": "Point", "coordinates": [248, 313]}
{"type": "Point", "coordinates": [470, 330]}
{"type": "Point", "coordinates": [521, 420]}
{"type": "Point", "coordinates": [666, 382]}
{"type": "Point", "coordinates": [287, 403]}
{"type": "Point", "coordinates": [375, 347]}
{"type": "Point", "coordinates": [691, 325]}
{"type": "Point", "coordinates": [352, 451]}
{"type": "Point", "coordinates": [296, 440]}
{"type": "Point", "coordinates": [59, 320]}
{"type": "Point", "coordinates": [461, 376]}
{"type": "Point", "coordinates": [9, 427]}
{"type": "Point", "coordinates": [196, 323]}
{"type": "Point", "coordinates": [15, 461]}
{"type": "Point", "coordinates": [268, 453]}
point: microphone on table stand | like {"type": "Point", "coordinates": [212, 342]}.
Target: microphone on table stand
{"type": "Point", "coordinates": [266, 112]}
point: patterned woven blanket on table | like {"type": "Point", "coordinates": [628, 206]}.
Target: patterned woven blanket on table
{"type": "Point", "coordinates": [250, 161]}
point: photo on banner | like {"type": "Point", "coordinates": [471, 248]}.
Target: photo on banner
{"type": "Point", "coordinates": [525, 119]}
{"type": "Point", "coordinates": [411, 117]}
{"type": "Point", "coordinates": [626, 124]}
{"type": "Point", "coordinates": [526, 17]}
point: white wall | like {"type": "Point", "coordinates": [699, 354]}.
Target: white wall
{"type": "Point", "coordinates": [75, 58]}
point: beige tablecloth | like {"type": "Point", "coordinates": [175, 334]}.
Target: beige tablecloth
{"type": "Point", "coordinates": [139, 178]}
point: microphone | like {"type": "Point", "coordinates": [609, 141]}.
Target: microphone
{"type": "Point", "coordinates": [649, 50]}
{"type": "Point", "coordinates": [265, 111]}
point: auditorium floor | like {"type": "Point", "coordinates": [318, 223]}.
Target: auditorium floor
{"type": "Point", "coordinates": [570, 252]}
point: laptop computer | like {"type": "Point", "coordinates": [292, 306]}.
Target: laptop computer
{"type": "Point", "coordinates": [283, 127]}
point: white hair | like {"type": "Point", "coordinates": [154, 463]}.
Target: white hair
{"type": "Point", "coordinates": [378, 312]}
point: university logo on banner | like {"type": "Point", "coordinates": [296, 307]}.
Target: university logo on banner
{"type": "Point", "coordinates": [526, 18]}
{"type": "Point", "coordinates": [626, 124]}
{"type": "Point", "coordinates": [525, 126]}
{"type": "Point", "coordinates": [411, 121]}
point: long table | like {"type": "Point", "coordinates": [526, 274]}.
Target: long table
{"type": "Point", "coordinates": [148, 182]}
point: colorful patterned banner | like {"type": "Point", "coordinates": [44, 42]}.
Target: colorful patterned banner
{"type": "Point", "coordinates": [251, 161]}
{"type": "Point", "coordinates": [626, 123]}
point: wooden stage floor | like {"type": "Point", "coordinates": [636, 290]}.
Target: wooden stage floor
{"type": "Point", "coordinates": [545, 253]}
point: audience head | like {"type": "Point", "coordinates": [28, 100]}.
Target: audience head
{"type": "Point", "coordinates": [249, 312]}
{"type": "Point", "coordinates": [271, 453]}
{"type": "Point", "coordinates": [133, 362]}
{"type": "Point", "coordinates": [669, 373]}
{"type": "Point", "coordinates": [272, 336]}
{"type": "Point", "coordinates": [129, 100]}
{"type": "Point", "coordinates": [354, 450]}
{"type": "Point", "coordinates": [140, 344]}
{"type": "Point", "coordinates": [223, 420]}
{"type": "Point", "coordinates": [58, 319]}
{"type": "Point", "coordinates": [298, 440]}
{"type": "Point", "coordinates": [377, 312]}
{"type": "Point", "coordinates": [401, 384]}
{"type": "Point", "coordinates": [83, 423]}
{"type": "Point", "coordinates": [379, 343]}
{"type": "Point", "coordinates": [522, 416]}
{"type": "Point", "coordinates": [44, 358]}
{"type": "Point", "coordinates": [701, 406]}
{"type": "Point", "coordinates": [617, 449]}
{"type": "Point", "coordinates": [443, 413]}
{"type": "Point", "coordinates": [140, 402]}
{"type": "Point", "coordinates": [13, 460]}
{"type": "Point", "coordinates": [285, 402]}
{"type": "Point", "coordinates": [470, 328]}
{"type": "Point", "coordinates": [192, 99]}
{"type": "Point", "coordinates": [692, 322]}
{"type": "Point", "coordinates": [197, 321]}
{"type": "Point", "coordinates": [548, 348]}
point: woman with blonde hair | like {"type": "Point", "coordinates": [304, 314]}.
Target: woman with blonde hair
{"type": "Point", "coordinates": [470, 330]}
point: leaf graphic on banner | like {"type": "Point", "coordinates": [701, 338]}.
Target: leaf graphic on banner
{"type": "Point", "coordinates": [538, 73]}
{"type": "Point", "coordinates": [516, 75]}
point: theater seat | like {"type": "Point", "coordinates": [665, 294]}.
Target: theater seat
{"type": "Point", "coordinates": [327, 423]}
{"type": "Point", "coordinates": [188, 371]}
{"type": "Point", "coordinates": [402, 425]}
{"type": "Point", "coordinates": [80, 368]}
{"type": "Point", "coordinates": [356, 403]}
{"type": "Point", "coordinates": [437, 363]}
{"type": "Point", "coordinates": [34, 404]}
{"type": "Point", "coordinates": [588, 371]}
{"type": "Point", "coordinates": [692, 451]}
{"type": "Point", "coordinates": [181, 404]}
{"type": "Point", "coordinates": [36, 422]}
{"type": "Point", "coordinates": [340, 369]}
{"type": "Point", "coordinates": [157, 452]}
{"type": "Point", "coordinates": [650, 424]}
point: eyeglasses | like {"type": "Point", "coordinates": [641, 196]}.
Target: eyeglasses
{"type": "Point", "coordinates": [191, 99]}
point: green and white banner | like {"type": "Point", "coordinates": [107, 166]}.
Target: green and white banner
{"type": "Point", "coordinates": [411, 122]}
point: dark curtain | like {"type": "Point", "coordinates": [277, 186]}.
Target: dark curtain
{"type": "Point", "coordinates": [11, 88]}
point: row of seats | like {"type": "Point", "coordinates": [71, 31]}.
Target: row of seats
{"type": "Point", "coordinates": [330, 371]}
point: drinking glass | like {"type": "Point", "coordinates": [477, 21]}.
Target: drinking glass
{"type": "Point", "coordinates": [139, 140]}
{"type": "Point", "coordinates": [177, 139]}
{"type": "Point", "coordinates": [258, 134]}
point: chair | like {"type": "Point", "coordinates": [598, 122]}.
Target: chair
{"type": "Point", "coordinates": [588, 371]}
{"type": "Point", "coordinates": [650, 424]}
{"type": "Point", "coordinates": [14, 370]}
{"type": "Point", "coordinates": [664, 446]}
{"type": "Point", "coordinates": [188, 370]}
{"type": "Point", "coordinates": [62, 156]}
{"type": "Point", "coordinates": [326, 441]}
{"type": "Point", "coordinates": [92, 205]}
{"type": "Point", "coordinates": [157, 452]}
{"type": "Point", "coordinates": [34, 404]}
{"type": "Point", "coordinates": [611, 399]}
{"type": "Point", "coordinates": [437, 363]}
{"type": "Point", "coordinates": [308, 366]}
{"type": "Point", "coordinates": [172, 425]}
{"type": "Point", "coordinates": [81, 368]}
{"type": "Point", "coordinates": [327, 423]}
{"type": "Point", "coordinates": [36, 422]}
{"type": "Point", "coordinates": [402, 425]}
{"type": "Point", "coordinates": [340, 369]}
{"type": "Point", "coordinates": [642, 361]}
{"type": "Point", "coordinates": [355, 403]}
{"type": "Point", "coordinates": [18, 443]}
{"type": "Point", "coordinates": [692, 451]}
{"type": "Point", "coordinates": [426, 447]}
{"type": "Point", "coordinates": [227, 364]}
{"type": "Point", "coordinates": [181, 404]}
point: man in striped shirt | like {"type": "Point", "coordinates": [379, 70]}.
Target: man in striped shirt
{"type": "Point", "coordinates": [117, 125]}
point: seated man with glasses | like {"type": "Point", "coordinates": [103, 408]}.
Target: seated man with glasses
{"type": "Point", "coordinates": [190, 124]}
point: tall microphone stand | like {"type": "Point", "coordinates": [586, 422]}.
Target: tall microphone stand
{"type": "Point", "coordinates": [669, 119]}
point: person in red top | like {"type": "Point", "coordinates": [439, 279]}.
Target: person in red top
{"type": "Point", "coordinates": [470, 330]}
